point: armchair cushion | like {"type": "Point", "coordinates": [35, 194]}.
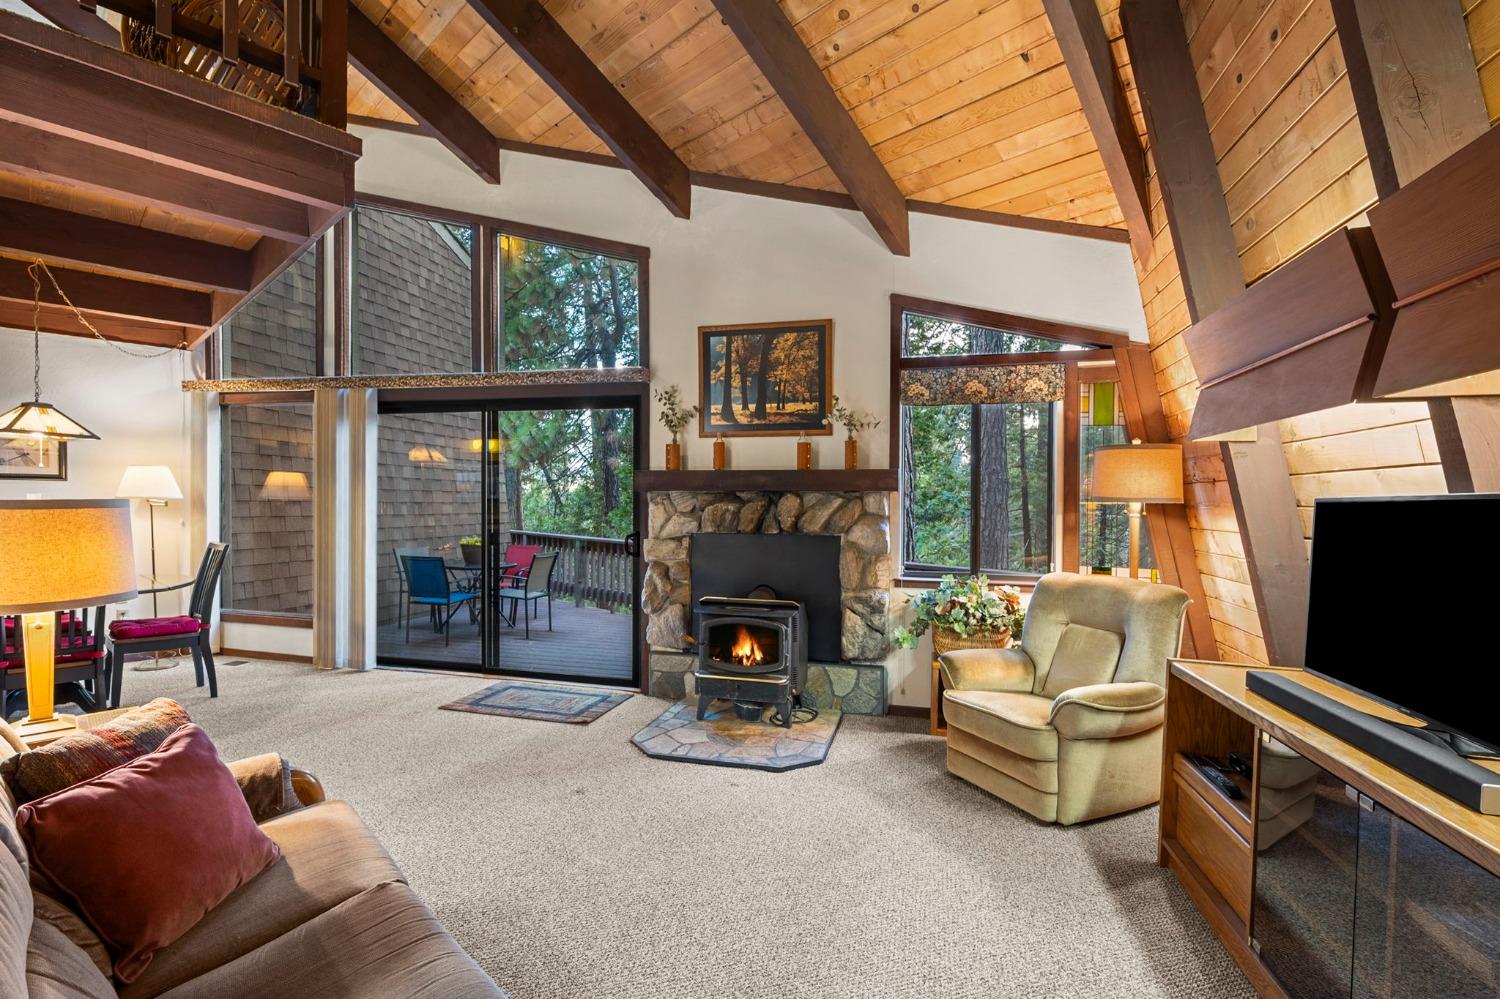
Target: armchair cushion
{"type": "Point", "coordinates": [987, 669]}
{"type": "Point", "coordinates": [1084, 655]}
{"type": "Point", "coordinates": [1108, 710]}
{"type": "Point", "coordinates": [1013, 721]}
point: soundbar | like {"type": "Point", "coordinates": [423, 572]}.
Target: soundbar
{"type": "Point", "coordinates": [1439, 767]}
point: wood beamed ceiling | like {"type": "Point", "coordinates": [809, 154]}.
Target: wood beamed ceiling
{"type": "Point", "coordinates": [159, 201]}
{"type": "Point", "coordinates": [967, 105]}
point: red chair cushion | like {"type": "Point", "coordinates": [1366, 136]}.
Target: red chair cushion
{"type": "Point", "coordinates": [521, 555]}
{"type": "Point", "coordinates": [144, 851]}
{"type": "Point", "coordinates": [153, 627]}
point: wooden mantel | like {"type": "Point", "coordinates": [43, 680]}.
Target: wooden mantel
{"type": "Point", "coordinates": [159, 201]}
{"type": "Point", "coordinates": [777, 480]}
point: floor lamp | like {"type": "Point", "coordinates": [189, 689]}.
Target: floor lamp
{"type": "Point", "coordinates": [60, 555]}
{"type": "Point", "coordinates": [1137, 474]}
{"type": "Point", "coordinates": [155, 485]}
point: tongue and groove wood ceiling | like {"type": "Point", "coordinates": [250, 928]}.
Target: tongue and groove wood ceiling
{"type": "Point", "coordinates": [967, 103]}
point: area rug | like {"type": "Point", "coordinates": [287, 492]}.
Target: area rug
{"type": "Point", "coordinates": [722, 740]}
{"type": "Point", "coordinates": [540, 702]}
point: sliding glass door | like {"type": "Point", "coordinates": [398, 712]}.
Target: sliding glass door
{"type": "Point", "coordinates": [509, 537]}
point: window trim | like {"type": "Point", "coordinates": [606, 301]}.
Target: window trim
{"type": "Point", "coordinates": [1100, 347]}
{"type": "Point", "coordinates": [488, 304]}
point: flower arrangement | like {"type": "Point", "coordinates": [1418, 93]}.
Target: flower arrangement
{"type": "Point", "coordinates": [970, 607]}
{"type": "Point", "coordinates": [853, 422]}
{"type": "Point", "coordinates": [674, 415]}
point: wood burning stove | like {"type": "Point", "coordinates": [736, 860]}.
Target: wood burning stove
{"type": "Point", "coordinates": [751, 651]}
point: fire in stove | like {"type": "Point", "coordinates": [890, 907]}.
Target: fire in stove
{"type": "Point", "coordinates": [746, 651]}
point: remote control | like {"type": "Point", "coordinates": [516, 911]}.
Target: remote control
{"type": "Point", "coordinates": [1241, 764]}
{"type": "Point", "coordinates": [1214, 774]}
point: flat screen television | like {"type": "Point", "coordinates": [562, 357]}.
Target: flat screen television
{"type": "Point", "coordinates": [1404, 607]}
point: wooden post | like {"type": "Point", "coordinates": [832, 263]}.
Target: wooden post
{"type": "Point", "coordinates": [1187, 171]}
{"type": "Point", "coordinates": [230, 29]}
{"type": "Point", "coordinates": [333, 62]}
{"type": "Point", "coordinates": [291, 42]}
{"type": "Point", "coordinates": [1419, 101]}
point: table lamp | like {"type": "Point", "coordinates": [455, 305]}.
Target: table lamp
{"type": "Point", "coordinates": [1136, 474]}
{"type": "Point", "coordinates": [60, 555]}
{"type": "Point", "coordinates": [155, 485]}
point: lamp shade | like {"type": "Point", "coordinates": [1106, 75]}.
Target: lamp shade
{"type": "Point", "coordinates": [62, 554]}
{"type": "Point", "coordinates": [283, 485]}
{"type": "Point", "coordinates": [148, 482]}
{"type": "Point", "coordinates": [1137, 473]}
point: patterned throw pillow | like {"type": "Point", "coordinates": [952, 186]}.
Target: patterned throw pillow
{"type": "Point", "coordinates": [87, 754]}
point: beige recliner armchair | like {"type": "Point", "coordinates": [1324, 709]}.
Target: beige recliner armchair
{"type": "Point", "coordinates": [1068, 725]}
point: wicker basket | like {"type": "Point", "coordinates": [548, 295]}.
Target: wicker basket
{"type": "Point", "coordinates": [944, 640]}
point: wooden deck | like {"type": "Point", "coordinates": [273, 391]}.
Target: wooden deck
{"type": "Point", "coordinates": [586, 642]}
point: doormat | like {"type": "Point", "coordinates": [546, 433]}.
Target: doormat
{"type": "Point", "coordinates": [722, 740]}
{"type": "Point", "coordinates": [541, 702]}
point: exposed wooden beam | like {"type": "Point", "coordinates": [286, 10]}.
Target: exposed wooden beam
{"type": "Point", "coordinates": [58, 236]}
{"type": "Point", "coordinates": [1259, 480]}
{"type": "Point", "coordinates": [59, 319]}
{"type": "Point", "coordinates": [1419, 101]}
{"type": "Point", "coordinates": [1085, 48]}
{"type": "Point", "coordinates": [400, 78]}
{"type": "Point", "coordinates": [544, 46]}
{"type": "Point", "coordinates": [56, 82]}
{"type": "Point", "coordinates": [82, 166]}
{"type": "Point", "coordinates": [102, 295]}
{"type": "Point", "coordinates": [777, 49]}
{"type": "Point", "coordinates": [67, 14]}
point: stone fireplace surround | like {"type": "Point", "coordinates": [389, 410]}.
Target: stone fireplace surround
{"type": "Point", "coordinates": [861, 519]}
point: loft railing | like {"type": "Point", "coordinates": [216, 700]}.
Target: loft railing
{"type": "Point", "coordinates": [286, 52]}
{"type": "Point", "coordinates": [598, 571]}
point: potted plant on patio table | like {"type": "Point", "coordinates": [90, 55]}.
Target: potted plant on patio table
{"type": "Point", "coordinates": [966, 614]}
{"type": "Point", "coordinates": [471, 547]}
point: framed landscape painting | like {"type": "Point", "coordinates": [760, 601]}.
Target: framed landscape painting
{"type": "Point", "coordinates": [22, 458]}
{"type": "Point", "coordinates": [770, 379]}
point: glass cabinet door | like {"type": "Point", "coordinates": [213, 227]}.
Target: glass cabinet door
{"type": "Point", "coordinates": [1307, 841]}
{"type": "Point", "coordinates": [1427, 920]}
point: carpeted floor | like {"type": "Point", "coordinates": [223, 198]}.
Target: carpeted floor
{"type": "Point", "coordinates": [571, 865]}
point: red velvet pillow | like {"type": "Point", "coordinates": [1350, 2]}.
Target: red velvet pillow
{"type": "Point", "coordinates": [146, 850]}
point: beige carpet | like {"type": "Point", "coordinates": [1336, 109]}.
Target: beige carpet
{"type": "Point", "coordinates": [571, 865]}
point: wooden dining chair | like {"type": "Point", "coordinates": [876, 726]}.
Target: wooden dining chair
{"type": "Point", "coordinates": [158, 634]}
{"type": "Point", "coordinates": [78, 658]}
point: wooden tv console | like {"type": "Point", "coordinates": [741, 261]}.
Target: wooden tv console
{"type": "Point", "coordinates": [1209, 840]}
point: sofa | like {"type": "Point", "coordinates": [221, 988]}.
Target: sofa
{"type": "Point", "coordinates": [1068, 725]}
{"type": "Point", "coordinates": [333, 917]}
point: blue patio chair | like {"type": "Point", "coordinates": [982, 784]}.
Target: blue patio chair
{"type": "Point", "coordinates": [401, 605]}
{"type": "Point", "coordinates": [428, 586]}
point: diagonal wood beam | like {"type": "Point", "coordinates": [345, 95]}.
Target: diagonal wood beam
{"type": "Point", "coordinates": [58, 158]}
{"type": "Point", "coordinates": [1265, 506]}
{"type": "Point", "coordinates": [58, 236]}
{"type": "Point", "coordinates": [778, 52]}
{"type": "Point", "coordinates": [67, 14]}
{"type": "Point", "coordinates": [400, 78]}
{"type": "Point", "coordinates": [102, 295]}
{"type": "Point", "coordinates": [1419, 100]}
{"type": "Point", "coordinates": [1085, 49]}
{"type": "Point", "coordinates": [544, 46]}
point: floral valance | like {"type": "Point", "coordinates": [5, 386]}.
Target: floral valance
{"type": "Point", "coordinates": [987, 384]}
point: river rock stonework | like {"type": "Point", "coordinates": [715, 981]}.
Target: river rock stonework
{"type": "Point", "coordinates": [861, 520]}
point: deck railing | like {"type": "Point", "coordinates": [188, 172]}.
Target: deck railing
{"type": "Point", "coordinates": [598, 571]}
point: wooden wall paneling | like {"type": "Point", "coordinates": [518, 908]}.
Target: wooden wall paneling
{"type": "Point", "coordinates": [531, 31]}
{"type": "Point", "coordinates": [779, 52]}
{"type": "Point", "coordinates": [421, 97]}
{"type": "Point", "coordinates": [1202, 236]}
{"type": "Point", "coordinates": [1420, 100]}
{"type": "Point", "coordinates": [1171, 537]}
{"type": "Point", "coordinates": [1085, 46]}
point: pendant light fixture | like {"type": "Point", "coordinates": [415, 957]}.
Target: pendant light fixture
{"type": "Point", "coordinates": [37, 420]}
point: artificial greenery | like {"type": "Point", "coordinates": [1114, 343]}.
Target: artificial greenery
{"type": "Point", "coordinates": [965, 607]}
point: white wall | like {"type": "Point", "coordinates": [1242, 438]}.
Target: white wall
{"type": "Point", "coordinates": [141, 415]}
{"type": "Point", "coordinates": [742, 259]}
